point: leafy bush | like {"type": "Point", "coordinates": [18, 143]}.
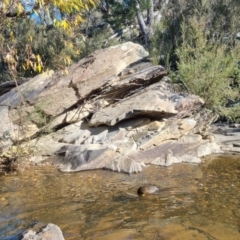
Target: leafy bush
{"type": "Point", "coordinates": [196, 41]}
{"type": "Point", "coordinates": [207, 69]}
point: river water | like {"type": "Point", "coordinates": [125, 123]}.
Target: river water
{"type": "Point", "coordinates": [195, 202]}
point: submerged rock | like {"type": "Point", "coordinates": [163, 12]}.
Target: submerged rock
{"type": "Point", "coordinates": [147, 190]}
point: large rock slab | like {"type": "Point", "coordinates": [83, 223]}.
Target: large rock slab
{"type": "Point", "coordinates": [55, 93]}
{"type": "Point", "coordinates": [86, 157]}
{"type": "Point", "coordinates": [130, 160]}
{"type": "Point", "coordinates": [104, 65]}
{"type": "Point", "coordinates": [172, 151]}
{"type": "Point", "coordinates": [81, 134]}
{"type": "Point", "coordinates": [156, 101]}
{"type": "Point", "coordinates": [131, 144]}
{"type": "Point", "coordinates": [88, 76]}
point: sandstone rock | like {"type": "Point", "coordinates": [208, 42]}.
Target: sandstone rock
{"type": "Point", "coordinates": [156, 101]}
{"type": "Point", "coordinates": [172, 130]}
{"type": "Point", "coordinates": [137, 115]}
{"type": "Point", "coordinates": [190, 138]}
{"type": "Point", "coordinates": [90, 149]}
{"type": "Point", "coordinates": [156, 126]}
{"type": "Point", "coordinates": [103, 65]}
{"type": "Point", "coordinates": [56, 93]}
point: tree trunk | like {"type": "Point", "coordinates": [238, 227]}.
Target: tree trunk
{"type": "Point", "coordinates": [141, 22]}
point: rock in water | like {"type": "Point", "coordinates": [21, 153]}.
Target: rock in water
{"type": "Point", "coordinates": [49, 232]}
{"type": "Point", "coordinates": [147, 190]}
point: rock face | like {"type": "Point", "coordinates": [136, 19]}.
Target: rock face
{"type": "Point", "coordinates": [112, 111]}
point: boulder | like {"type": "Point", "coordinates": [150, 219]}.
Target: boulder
{"type": "Point", "coordinates": [104, 65]}
{"type": "Point", "coordinates": [111, 111]}
{"type": "Point", "coordinates": [50, 100]}
{"type": "Point", "coordinates": [86, 157]}
{"type": "Point", "coordinates": [87, 76]}
{"type": "Point", "coordinates": [49, 232]}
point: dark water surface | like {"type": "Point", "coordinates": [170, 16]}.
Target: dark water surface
{"type": "Point", "coordinates": [196, 202]}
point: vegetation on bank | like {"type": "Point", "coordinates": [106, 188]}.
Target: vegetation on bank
{"type": "Point", "coordinates": [197, 41]}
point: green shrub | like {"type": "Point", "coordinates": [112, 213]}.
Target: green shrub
{"type": "Point", "coordinates": [207, 69]}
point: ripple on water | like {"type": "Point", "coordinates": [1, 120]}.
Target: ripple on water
{"type": "Point", "coordinates": [194, 201]}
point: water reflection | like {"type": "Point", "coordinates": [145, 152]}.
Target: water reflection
{"type": "Point", "coordinates": [200, 202]}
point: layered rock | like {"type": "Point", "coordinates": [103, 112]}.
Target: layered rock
{"type": "Point", "coordinates": [53, 94]}
{"type": "Point", "coordinates": [111, 111]}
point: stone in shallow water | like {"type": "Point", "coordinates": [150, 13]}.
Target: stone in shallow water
{"type": "Point", "coordinates": [49, 232]}
{"type": "Point", "coordinates": [147, 190]}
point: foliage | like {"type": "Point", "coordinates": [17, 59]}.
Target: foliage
{"type": "Point", "coordinates": [123, 13]}
{"type": "Point", "coordinates": [100, 38]}
{"type": "Point", "coordinates": [8, 159]}
{"type": "Point", "coordinates": [120, 15]}
{"type": "Point", "coordinates": [23, 53]}
{"type": "Point", "coordinates": [231, 114]}
{"type": "Point", "coordinates": [196, 42]}
{"type": "Point", "coordinates": [221, 23]}
{"type": "Point", "coordinates": [161, 49]}
{"type": "Point", "coordinates": [207, 69]}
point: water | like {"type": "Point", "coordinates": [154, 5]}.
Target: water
{"type": "Point", "coordinates": [196, 202]}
